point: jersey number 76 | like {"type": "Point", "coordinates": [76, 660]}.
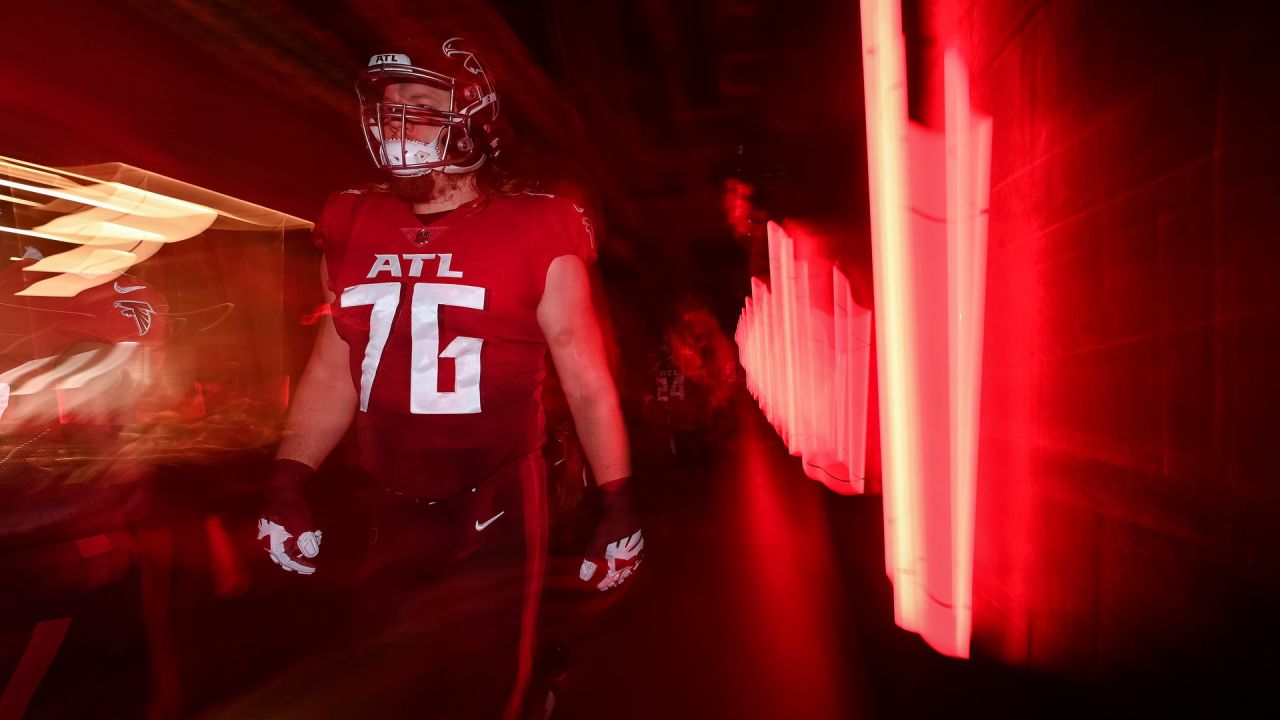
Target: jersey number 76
{"type": "Point", "coordinates": [424, 366]}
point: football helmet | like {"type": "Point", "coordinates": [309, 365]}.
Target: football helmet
{"type": "Point", "coordinates": [410, 139]}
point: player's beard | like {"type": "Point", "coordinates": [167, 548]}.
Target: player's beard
{"type": "Point", "coordinates": [429, 188]}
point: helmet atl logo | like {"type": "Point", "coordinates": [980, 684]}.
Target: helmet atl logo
{"type": "Point", "coordinates": [389, 59]}
{"type": "Point", "coordinates": [139, 311]}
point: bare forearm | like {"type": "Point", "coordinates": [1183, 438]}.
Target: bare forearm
{"type": "Point", "coordinates": [568, 321]}
{"type": "Point", "coordinates": [603, 434]}
{"type": "Point", "coordinates": [319, 415]}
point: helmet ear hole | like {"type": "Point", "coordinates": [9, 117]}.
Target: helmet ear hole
{"type": "Point", "coordinates": [465, 145]}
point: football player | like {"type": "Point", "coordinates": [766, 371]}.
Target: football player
{"type": "Point", "coordinates": [446, 295]}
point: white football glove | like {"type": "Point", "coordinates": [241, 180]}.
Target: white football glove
{"type": "Point", "coordinates": [618, 541]}
{"type": "Point", "coordinates": [285, 508]}
{"type": "Point", "coordinates": [622, 558]}
{"type": "Point", "coordinates": [288, 555]}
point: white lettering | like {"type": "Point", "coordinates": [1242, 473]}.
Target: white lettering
{"type": "Point", "coordinates": [443, 270]}
{"type": "Point", "coordinates": [384, 297]}
{"type": "Point", "coordinates": [389, 263]}
{"type": "Point", "coordinates": [415, 263]}
{"type": "Point", "coordinates": [424, 397]}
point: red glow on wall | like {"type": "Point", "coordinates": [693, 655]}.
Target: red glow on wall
{"type": "Point", "coordinates": [804, 343]}
{"type": "Point", "coordinates": [929, 194]}
{"type": "Point", "coordinates": [737, 205]}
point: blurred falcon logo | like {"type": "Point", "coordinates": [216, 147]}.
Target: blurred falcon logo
{"type": "Point", "coordinates": [139, 311]}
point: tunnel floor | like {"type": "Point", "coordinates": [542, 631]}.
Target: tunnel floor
{"type": "Point", "coordinates": [763, 595]}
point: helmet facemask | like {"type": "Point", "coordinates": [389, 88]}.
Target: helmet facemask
{"type": "Point", "coordinates": [409, 139]}
{"type": "Point", "coordinates": [416, 121]}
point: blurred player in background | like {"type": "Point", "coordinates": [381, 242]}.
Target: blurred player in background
{"type": "Point", "coordinates": [74, 371]}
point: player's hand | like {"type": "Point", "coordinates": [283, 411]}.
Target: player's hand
{"type": "Point", "coordinates": [617, 545]}
{"type": "Point", "coordinates": [285, 527]}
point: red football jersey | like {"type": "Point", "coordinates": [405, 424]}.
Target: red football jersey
{"type": "Point", "coordinates": [32, 327]}
{"type": "Point", "coordinates": [446, 353]}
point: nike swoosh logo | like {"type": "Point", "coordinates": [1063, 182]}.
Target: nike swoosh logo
{"type": "Point", "coordinates": [482, 525]}
{"type": "Point", "coordinates": [129, 288]}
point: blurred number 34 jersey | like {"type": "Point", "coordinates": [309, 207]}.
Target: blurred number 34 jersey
{"type": "Point", "coordinates": [446, 354]}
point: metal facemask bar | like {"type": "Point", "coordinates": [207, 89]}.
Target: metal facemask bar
{"type": "Point", "coordinates": [377, 119]}
{"type": "Point", "coordinates": [375, 132]}
{"type": "Point", "coordinates": [449, 121]}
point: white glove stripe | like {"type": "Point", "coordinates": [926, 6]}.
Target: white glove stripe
{"type": "Point", "coordinates": [627, 548]}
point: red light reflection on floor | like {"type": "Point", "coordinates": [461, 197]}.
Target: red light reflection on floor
{"type": "Point", "coordinates": [784, 579]}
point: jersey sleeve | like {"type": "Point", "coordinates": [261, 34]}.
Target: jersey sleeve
{"type": "Point", "coordinates": [333, 227]}
{"type": "Point", "coordinates": [324, 224]}
{"type": "Point", "coordinates": [567, 231]}
{"type": "Point", "coordinates": [126, 309]}
{"type": "Point", "coordinates": [573, 231]}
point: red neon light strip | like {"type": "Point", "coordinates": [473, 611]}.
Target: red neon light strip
{"type": "Point", "coordinates": [930, 344]}
{"type": "Point", "coordinates": [852, 341]}
{"type": "Point", "coordinates": [884, 79]}
{"type": "Point", "coordinates": [803, 342]}
{"type": "Point", "coordinates": [968, 183]}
